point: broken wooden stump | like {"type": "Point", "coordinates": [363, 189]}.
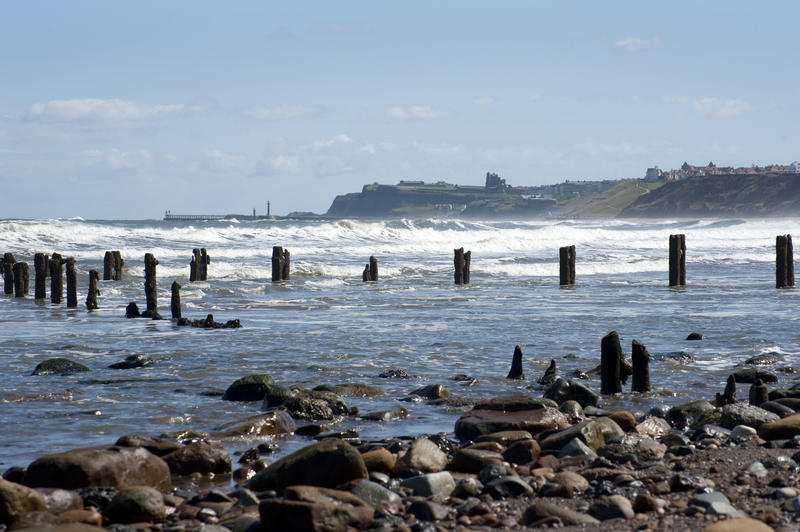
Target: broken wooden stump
{"type": "Point", "coordinates": [610, 357]}
{"type": "Point", "coordinates": [784, 262]}
{"type": "Point", "coordinates": [516, 365]}
{"type": "Point", "coordinates": [108, 265]}
{"type": "Point", "coordinates": [56, 278]}
{"type": "Point", "coordinates": [205, 259]}
{"type": "Point", "coordinates": [91, 297]}
{"type": "Point", "coordinates": [370, 270]}
{"type": "Point", "coordinates": [640, 360]}
{"type": "Point", "coordinates": [8, 273]}
{"type": "Point", "coordinates": [41, 269]}
{"type": "Point", "coordinates": [728, 397]}
{"type": "Point", "coordinates": [21, 279]}
{"type": "Point", "coordinates": [132, 310]}
{"type": "Point", "coordinates": [209, 323]}
{"type": "Point", "coordinates": [118, 264]}
{"type": "Point", "coordinates": [566, 265]}
{"type": "Point", "coordinates": [175, 302]}
{"type": "Point", "coordinates": [677, 260]}
{"type": "Point", "coordinates": [758, 393]}
{"type": "Point", "coordinates": [281, 260]}
{"type": "Point", "coordinates": [72, 283]}
{"type": "Point", "coordinates": [461, 264]}
{"type": "Point", "coordinates": [150, 287]}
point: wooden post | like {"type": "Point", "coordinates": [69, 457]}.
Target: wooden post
{"type": "Point", "coordinates": [277, 263]}
{"type": "Point", "coordinates": [467, 261]}
{"type": "Point", "coordinates": [640, 360]}
{"type": "Point", "coordinates": [784, 262]}
{"type": "Point", "coordinates": [610, 356]}
{"type": "Point", "coordinates": [677, 260]}
{"type": "Point", "coordinates": [194, 266]}
{"type": "Point", "coordinates": [56, 278]}
{"type": "Point", "coordinates": [118, 264]}
{"type": "Point", "coordinates": [370, 270]}
{"type": "Point", "coordinates": [91, 297]}
{"type": "Point", "coordinates": [365, 277]}
{"type": "Point", "coordinates": [175, 303]}
{"type": "Point", "coordinates": [566, 265]}
{"type": "Point", "coordinates": [728, 397]}
{"type": "Point", "coordinates": [41, 268]}
{"type": "Point", "coordinates": [150, 286]}
{"type": "Point", "coordinates": [21, 276]}
{"type": "Point", "coordinates": [108, 265]}
{"type": "Point", "coordinates": [461, 263]}
{"type": "Point", "coordinates": [287, 260]}
{"type": "Point", "coordinates": [8, 273]}
{"type": "Point", "coordinates": [72, 284]}
{"type": "Point", "coordinates": [758, 393]}
{"type": "Point", "coordinates": [205, 259]}
{"type": "Point", "coordinates": [516, 365]}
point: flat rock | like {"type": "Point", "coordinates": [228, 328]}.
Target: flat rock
{"type": "Point", "coordinates": [157, 446]}
{"type": "Point", "coordinates": [480, 422]}
{"type": "Point", "coordinates": [750, 375]}
{"type": "Point", "coordinates": [16, 499]}
{"type": "Point", "coordinates": [270, 424]}
{"type": "Point", "coordinates": [473, 460]}
{"type": "Point", "coordinates": [439, 484]}
{"type": "Point", "coordinates": [744, 414]}
{"type": "Point", "coordinates": [506, 437]}
{"type": "Point", "coordinates": [328, 463]}
{"type": "Point", "coordinates": [782, 429]}
{"type": "Point", "coordinates": [110, 466]}
{"type": "Point", "coordinates": [540, 510]}
{"type": "Point", "coordinates": [313, 508]}
{"type": "Point", "coordinates": [575, 447]}
{"type": "Point", "coordinates": [199, 457]}
{"type": "Point", "coordinates": [59, 366]}
{"type": "Point", "coordinates": [741, 524]}
{"type": "Point", "coordinates": [514, 402]}
{"type": "Point", "coordinates": [352, 390]}
{"type": "Point", "coordinates": [765, 359]}
{"type": "Point", "coordinates": [373, 493]}
{"type": "Point", "coordinates": [249, 388]}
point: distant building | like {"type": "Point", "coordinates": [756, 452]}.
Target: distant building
{"type": "Point", "coordinates": [495, 182]}
{"type": "Point", "coordinates": [794, 168]}
{"type": "Point", "coordinates": [652, 174]}
{"type": "Point", "coordinates": [410, 183]}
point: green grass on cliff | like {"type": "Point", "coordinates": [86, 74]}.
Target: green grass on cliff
{"type": "Point", "coordinates": [607, 204]}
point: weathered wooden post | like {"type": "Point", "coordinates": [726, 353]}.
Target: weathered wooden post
{"type": "Point", "coordinates": [91, 297]}
{"type": "Point", "coordinates": [640, 360]}
{"type": "Point", "coordinates": [566, 265]}
{"type": "Point", "coordinates": [205, 259]}
{"type": "Point", "coordinates": [108, 265]}
{"type": "Point", "coordinates": [56, 278]}
{"type": "Point", "coordinates": [287, 260]}
{"type": "Point", "coordinates": [281, 261]}
{"type": "Point", "coordinates": [784, 261]}
{"type": "Point", "coordinates": [677, 260]}
{"type": "Point", "coordinates": [610, 357]}
{"type": "Point", "coordinates": [516, 365]}
{"type": "Point", "coordinates": [370, 270]}
{"type": "Point", "coordinates": [194, 266]}
{"type": "Point", "coordinates": [758, 393]}
{"type": "Point", "coordinates": [8, 273]}
{"type": "Point", "coordinates": [21, 276]}
{"type": "Point", "coordinates": [41, 268]}
{"type": "Point", "coordinates": [150, 286]}
{"type": "Point", "coordinates": [728, 397]}
{"type": "Point", "coordinates": [461, 264]}
{"type": "Point", "coordinates": [175, 302]}
{"type": "Point", "coordinates": [72, 283]}
{"type": "Point", "coordinates": [118, 264]}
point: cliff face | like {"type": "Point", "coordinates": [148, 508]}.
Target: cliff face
{"type": "Point", "coordinates": [721, 196]}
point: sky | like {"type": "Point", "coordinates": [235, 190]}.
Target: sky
{"type": "Point", "coordinates": [123, 110]}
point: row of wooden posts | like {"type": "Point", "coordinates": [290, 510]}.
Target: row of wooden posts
{"type": "Point", "coordinates": [16, 275]}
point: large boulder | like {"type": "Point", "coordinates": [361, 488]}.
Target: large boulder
{"type": "Point", "coordinates": [157, 446]}
{"type": "Point", "coordinates": [571, 390]}
{"type": "Point", "coordinates": [199, 457]}
{"type": "Point", "coordinates": [111, 466]}
{"type": "Point", "coordinates": [480, 422]}
{"type": "Point", "coordinates": [782, 429]}
{"type": "Point", "coordinates": [744, 414]}
{"type": "Point", "coordinates": [59, 366]}
{"type": "Point", "coordinates": [269, 424]}
{"type": "Point", "coordinates": [514, 402]}
{"type": "Point", "coordinates": [315, 509]}
{"type": "Point", "coordinates": [306, 404]}
{"type": "Point", "coordinates": [329, 463]}
{"type": "Point", "coordinates": [16, 499]}
{"type": "Point", "coordinates": [250, 388]}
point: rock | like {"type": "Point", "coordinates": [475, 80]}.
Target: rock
{"type": "Point", "coordinates": [312, 508]}
{"type": "Point", "coordinates": [133, 361]}
{"type": "Point", "coordinates": [777, 408]}
{"type": "Point", "coordinates": [157, 446]}
{"type": "Point", "coordinates": [422, 455]}
{"type": "Point", "coordinates": [644, 503]}
{"type": "Point", "coordinates": [352, 390]}
{"type": "Point", "coordinates": [59, 501]}
{"type": "Point", "coordinates": [199, 457]}
{"type": "Point", "coordinates": [328, 463]}
{"type": "Point", "coordinates": [428, 511]}
{"type": "Point", "coordinates": [136, 504]}
{"type": "Point", "coordinates": [507, 486]}
{"type": "Point", "coordinates": [111, 466]}
{"type": "Point", "coordinates": [479, 422]}
{"type": "Point", "coordinates": [624, 419]}
{"type": "Point", "coordinates": [744, 414]}
{"type": "Point", "coordinates": [431, 485]}
{"type": "Point", "coordinates": [782, 429]}
{"type": "Point", "coordinates": [506, 437]}
{"type": "Point", "coordinates": [676, 357]}
{"type": "Point", "coordinates": [613, 507]}
{"type": "Point", "coordinates": [695, 336]}
{"type": "Point", "coordinates": [473, 460]}
{"type": "Point", "coordinates": [269, 424]}
{"type": "Point", "coordinates": [639, 448]}
{"type": "Point", "coordinates": [514, 403]}
{"type": "Point", "coordinates": [432, 391]}
{"type": "Point", "coordinates": [379, 460]}
{"type": "Point", "coordinates": [589, 432]}
{"type": "Point", "coordinates": [522, 452]}
{"type": "Point", "coordinates": [565, 390]}
{"type": "Point", "coordinates": [394, 373]}
{"type": "Point", "coordinates": [653, 427]}
{"type": "Point", "coordinates": [373, 493]}
{"type": "Point", "coordinates": [571, 483]}
{"type": "Point", "coordinates": [541, 510]}
{"type": "Point", "coordinates": [715, 503]}
{"type": "Point", "coordinates": [765, 359]}
{"type": "Point", "coordinates": [757, 470]}
{"type": "Point", "coordinates": [550, 375]}
{"type": "Point", "coordinates": [249, 388]}
{"type": "Point", "coordinates": [750, 375]}
{"type": "Point", "coordinates": [682, 482]}
{"type": "Point", "coordinates": [398, 412]}
{"type": "Point", "coordinates": [573, 410]}
{"type": "Point", "coordinates": [59, 366]}
{"type": "Point", "coordinates": [741, 524]}
{"type": "Point", "coordinates": [16, 499]}
{"type": "Point", "coordinates": [306, 404]}
{"type": "Point", "coordinates": [686, 414]}
{"type": "Point", "coordinates": [576, 447]}
{"type": "Point", "coordinates": [790, 402]}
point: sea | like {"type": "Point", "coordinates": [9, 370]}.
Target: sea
{"type": "Point", "coordinates": [326, 326]}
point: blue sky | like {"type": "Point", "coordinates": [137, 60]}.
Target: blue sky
{"type": "Point", "coordinates": [112, 110]}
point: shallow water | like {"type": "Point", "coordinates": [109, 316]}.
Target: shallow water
{"type": "Point", "coordinates": [326, 326]}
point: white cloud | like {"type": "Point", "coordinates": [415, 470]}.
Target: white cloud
{"type": "Point", "coordinates": [281, 112]}
{"type": "Point", "coordinates": [99, 110]}
{"type": "Point", "coordinates": [638, 44]}
{"type": "Point", "coordinates": [414, 112]}
{"type": "Point", "coordinates": [719, 107]}
{"type": "Point", "coordinates": [220, 161]}
{"type": "Point", "coordinates": [483, 100]}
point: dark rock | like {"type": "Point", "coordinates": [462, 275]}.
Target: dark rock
{"type": "Point", "coordinates": [14, 474]}
{"type": "Point", "coordinates": [516, 365]}
{"type": "Point", "coordinates": [522, 452]}
{"type": "Point", "coordinates": [132, 310]}
{"type": "Point", "coordinates": [386, 415]}
{"type": "Point", "coordinates": [683, 482]}
{"type": "Point", "coordinates": [432, 391]}
{"type": "Point", "coordinates": [136, 504]}
{"type": "Point", "coordinates": [132, 362]}
{"type": "Point", "coordinates": [312, 508]}
{"type": "Point", "coordinates": [306, 404]}
{"type": "Point", "coordinates": [695, 336]}
{"type": "Point", "coordinates": [777, 408]}
{"type": "Point", "coordinates": [750, 375]}
{"type": "Point", "coordinates": [782, 429]}
{"type": "Point", "coordinates": [157, 446]}
{"type": "Point", "coordinates": [613, 507]}
{"type": "Point", "coordinates": [16, 499]}
{"type": "Point", "coordinates": [99, 466]}
{"type": "Point", "coordinates": [479, 422]}
{"type": "Point", "coordinates": [199, 457]}
{"type": "Point", "coordinates": [379, 460]}
{"type": "Point", "coordinates": [506, 437]}
{"type": "Point", "coordinates": [550, 374]}
{"type": "Point", "coordinates": [742, 414]}
{"type": "Point", "coordinates": [765, 359]}
{"type": "Point", "coordinates": [59, 366]}
{"type": "Point", "coordinates": [589, 432]}
{"type": "Point", "coordinates": [677, 357]}
{"type": "Point", "coordinates": [351, 390]}
{"type": "Point", "coordinates": [565, 390]}
{"type": "Point", "coordinates": [514, 402]}
{"type": "Point", "coordinates": [507, 486]}
{"type": "Point", "coordinates": [269, 424]}
{"type": "Point", "coordinates": [329, 463]}
{"type": "Point", "coordinates": [428, 511]}
{"type": "Point", "coordinates": [249, 388]}
{"type": "Point", "coordinates": [473, 460]}
{"type": "Point", "coordinates": [394, 373]}
{"type": "Point", "coordinates": [573, 410]}
{"type": "Point", "coordinates": [541, 510]}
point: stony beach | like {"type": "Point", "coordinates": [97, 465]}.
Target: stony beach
{"type": "Point", "coordinates": [554, 458]}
